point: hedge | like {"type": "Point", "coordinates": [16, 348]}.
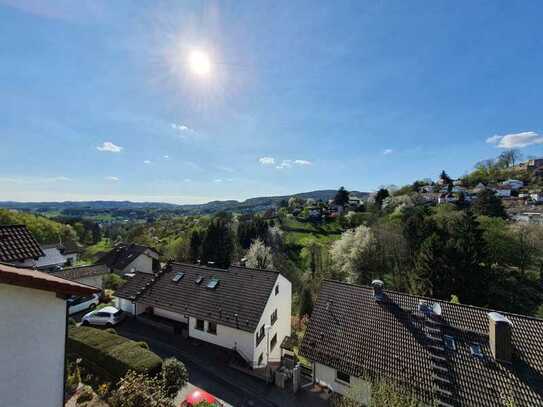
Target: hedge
{"type": "Point", "coordinates": [111, 353]}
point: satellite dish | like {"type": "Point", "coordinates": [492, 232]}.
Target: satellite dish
{"type": "Point", "coordinates": [436, 308]}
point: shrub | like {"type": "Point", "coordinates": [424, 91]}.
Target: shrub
{"type": "Point", "coordinates": [85, 395]}
{"type": "Point", "coordinates": [73, 378]}
{"type": "Point", "coordinates": [71, 322]}
{"type": "Point", "coordinates": [111, 355]}
{"type": "Point", "coordinates": [174, 375]}
{"type": "Point", "coordinates": [103, 390]}
{"type": "Point", "coordinates": [113, 281]}
{"type": "Point", "coordinates": [139, 390]}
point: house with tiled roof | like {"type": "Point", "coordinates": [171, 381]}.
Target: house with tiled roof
{"type": "Point", "coordinates": [240, 309]}
{"type": "Point", "coordinates": [33, 330]}
{"type": "Point", "coordinates": [447, 354]}
{"type": "Point", "coordinates": [92, 275]}
{"type": "Point", "coordinates": [18, 246]}
{"type": "Point", "coordinates": [129, 258]}
{"type": "Point", "coordinates": [52, 260]}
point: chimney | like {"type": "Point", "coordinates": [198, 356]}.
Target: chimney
{"type": "Point", "coordinates": [243, 262]}
{"type": "Point", "coordinates": [499, 333]}
{"type": "Point", "coordinates": [378, 290]}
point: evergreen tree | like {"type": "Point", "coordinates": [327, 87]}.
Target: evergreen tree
{"type": "Point", "coordinates": [381, 195]}
{"type": "Point", "coordinates": [489, 204]}
{"type": "Point", "coordinates": [195, 246]}
{"type": "Point", "coordinates": [218, 244]}
{"type": "Point", "coordinates": [306, 302]}
{"type": "Point", "coordinates": [342, 197]}
{"type": "Point", "coordinates": [422, 278]}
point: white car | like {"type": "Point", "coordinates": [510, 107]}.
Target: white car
{"type": "Point", "coordinates": [78, 304]}
{"type": "Point", "coordinates": [105, 316]}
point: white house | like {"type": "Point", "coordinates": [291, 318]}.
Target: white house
{"type": "Point", "coordinates": [33, 330]}
{"type": "Point", "coordinates": [127, 258]}
{"type": "Point", "coordinates": [240, 309]}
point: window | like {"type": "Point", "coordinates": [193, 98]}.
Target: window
{"type": "Point", "coordinates": [476, 350]}
{"type": "Point", "coordinates": [277, 289]}
{"type": "Point", "coordinates": [260, 359]}
{"type": "Point", "coordinates": [449, 342]}
{"type": "Point", "coordinates": [212, 328]}
{"type": "Point", "coordinates": [274, 317]}
{"type": "Point", "coordinates": [199, 280]}
{"type": "Point", "coordinates": [260, 335]}
{"type": "Point", "coordinates": [200, 324]}
{"type": "Point", "coordinates": [213, 283]}
{"type": "Point", "coordinates": [343, 377]}
{"type": "Point", "coordinates": [177, 277]}
{"type": "Point", "coordinates": [273, 342]}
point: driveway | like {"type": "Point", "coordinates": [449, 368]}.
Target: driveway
{"type": "Point", "coordinates": [209, 370]}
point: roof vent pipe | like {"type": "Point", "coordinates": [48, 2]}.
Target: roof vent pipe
{"type": "Point", "coordinates": [378, 286]}
{"type": "Point", "coordinates": [499, 334]}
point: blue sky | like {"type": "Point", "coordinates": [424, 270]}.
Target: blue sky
{"type": "Point", "coordinates": [98, 100]}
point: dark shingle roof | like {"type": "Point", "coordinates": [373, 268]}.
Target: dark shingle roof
{"type": "Point", "coordinates": [135, 282]}
{"type": "Point", "coordinates": [76, 273]}
{"type": "Point", "coordinates": [17, 244]}
{"type": "Point", "coordinates": [240, 291]}
{"type": "Point", "coordinates": [353, 333]}
{"type": "Point", "coordinates": [122, 255]}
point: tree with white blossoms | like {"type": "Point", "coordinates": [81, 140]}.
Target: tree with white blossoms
{"type": "Point", "coordinates": [259, 256]}
{"type": "Point", "coordinates": [352, 255]}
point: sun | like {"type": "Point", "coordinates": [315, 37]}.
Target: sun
{"type": "Point", "coordinates": [199, 63]}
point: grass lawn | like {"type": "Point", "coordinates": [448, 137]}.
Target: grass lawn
{"type": "Point", "coordinates": [90, 253]}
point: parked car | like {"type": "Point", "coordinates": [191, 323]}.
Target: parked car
{"type": "Point", "coordinates": [105, 316]}
{"type": "Point", "coordinates": [78, 304]}
{"type": "Point", "coordinates": [198, 396]}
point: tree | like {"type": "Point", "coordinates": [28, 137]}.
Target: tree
{"type": "Point", "coordinates": [140, 390]}
{"type": "Point", "coordinates": [174, 376]}
{"type": "Point", "coordinates": [444, 177]}
{"type": "Point", "coordinates": [352, 256]}
{"type": "Point", "coordinates": [427, 264]}
{"type": "Point", "coordinates": [488, 203]}
{"type": "Point", "coordinates": [195, 246]}
{"type": "Point", "coordinates": [342, 197]}
{"type": "Point", "coordinates": [259, 256]}
{"type": "Point", "coordinates": [306, 302]}
{"type": "Point", "coordinates": [218, 244]}
{"type": "Point", "coordinates": [380, 196]}
{"type": "Point", "coordinates": [510, 157]}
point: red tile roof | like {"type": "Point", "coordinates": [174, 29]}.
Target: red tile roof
{"type": "Point", "coordinates": [42, 281]}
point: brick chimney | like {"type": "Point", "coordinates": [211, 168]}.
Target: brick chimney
{"type": "Point", "coordinates": [499, 333]}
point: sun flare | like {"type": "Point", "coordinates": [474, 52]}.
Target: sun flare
{"type": "Point", "coordinates": [199, 63]}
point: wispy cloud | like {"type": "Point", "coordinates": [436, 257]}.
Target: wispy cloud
{"type": "Point", "coordinates": [112, 178]}
{"type": "Point", "coordinates": [516, 140]}
{"type": "Point", "coordinates": [147, 161]}
{"type": "Point", "coordinates": [284, 164]}
{"type": "Point", "coordinates": [302, 162]}
{"type": "Point", "coordinates": [166, 157]}
{"type": "Point", "coordinates": [388, 151]}
{"type": "Point", "coordinates": [266, 160]}
{"type": "Point", "coordinates": [182, 130]}
{"type": "Point", "coordinates": [109, 147]}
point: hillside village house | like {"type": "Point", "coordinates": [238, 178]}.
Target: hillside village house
{"type": "Point", "coordinates": [33, 330]}
{"type": "Point", "coordinates": [91, 275]}
{"type": "Point", "coordinates": [129, 258]}
{"type": "Point", "coordinates": [52, 259]}
{"type": "Point", "coordinates": [240, 309]}
{"type": "Point", "coordinates": [448, 354]}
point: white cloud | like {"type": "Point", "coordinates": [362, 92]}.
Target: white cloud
{"type": "Point", "coordinates": [187, 180]}
{"type": "Point", "coordinates": [166, 157]}
{"type": "Point", "coordinates": [112, 178]}
{"type": "Point", "coordinates": [266, 160]}
{"type": "Point", "coordinates": [217, 180]}
{"type": "Point", "coordinates": [284, 164]}
{"type": "Point", "coordinates": [182, 130]}
{"type": "Point", "coordinates": [388, 151]}
{"type": "Point", "coordinates": [302, 162]}
{"type": "Point", "coordinates": [24, 180]}
{"type": "Point", "coordinates": [147, 162]}
{"type": "Point", "coordinates": [109, 147]}
{"type": "Point", "coordinates": [516, 140]}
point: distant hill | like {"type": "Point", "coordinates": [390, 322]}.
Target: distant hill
{"type": "Point", "coordinates": [249, 205]}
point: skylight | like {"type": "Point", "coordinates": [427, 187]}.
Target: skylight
{"type": "Point", "coordinates": [449, 342]}
{"type": "Point", "coordinates": [476, 350]}
{"type": "Point", "coordinates": [213, 283]}
{"type": "Point", "coordinates": [199, 280]}
{"type": "Point", "coordinates": [177, 277]}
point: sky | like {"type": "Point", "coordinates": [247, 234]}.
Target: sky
{"type": "Point", "coordinates": [102, 100]}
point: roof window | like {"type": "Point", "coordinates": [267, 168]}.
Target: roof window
{"type": "Point", "coordinates": [213, 283]}
{"type": "Point", "coordinates": [476, 350]}
{"type": "Point", "coordinates": [199, 280]}
{"type": "Point", "coordinates": [449, 342]}
{"type": "Point", "coordinates": [177, 277]}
